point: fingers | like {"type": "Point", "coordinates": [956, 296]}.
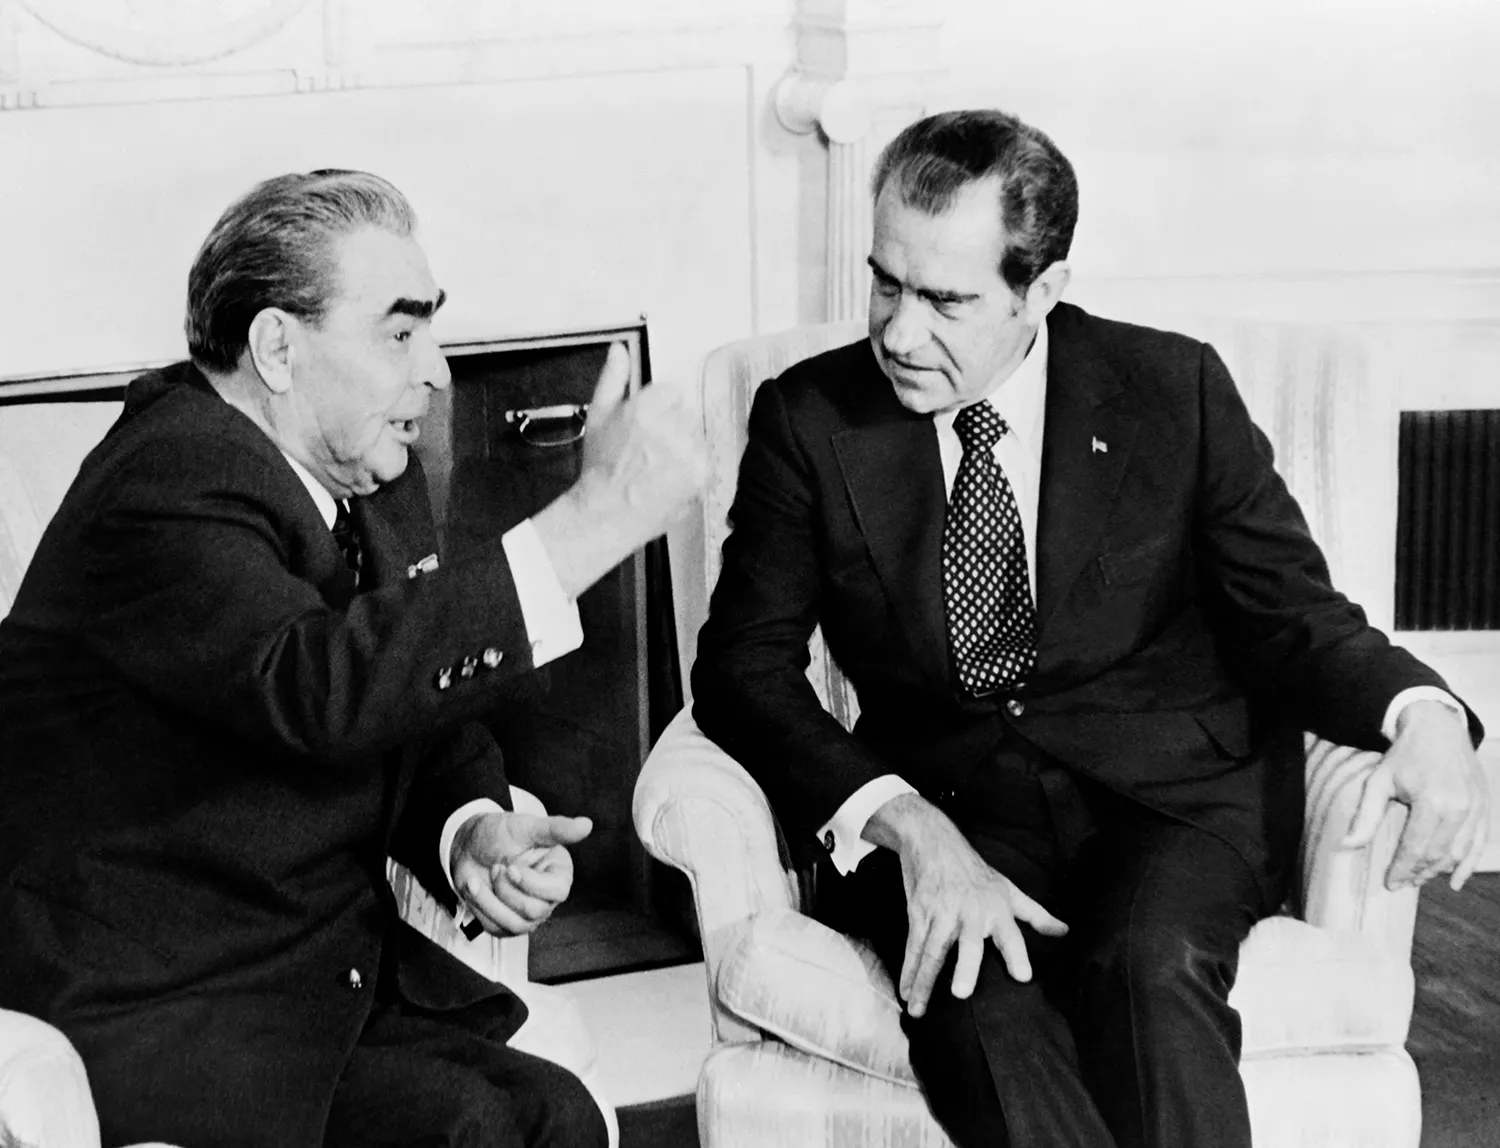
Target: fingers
{"type": "Point", "coordinates": [529, 831]}
{"type": "Point", "coordinates": [1007, 937]}
{"type": "Point", "coordinates": [966, 967]}
{"type": "Point", "coordinates": [510, 886]}
{"type": "Point", "coordinates": [494, 914]}
{"type": "Point", "coordinates": [609, 391]}
{"type": "Point", "coordinates": [1025, 909]}
{"type": "Point", "coordinates": [1446, 845]}
{"type": "Point", "coordinates": [1379, 788]}
{"type": "Point", "coordinates": [926, 951]}
{"type": "Point", "coordinates": [1474, 854]}
{"type": "Point", "coordinates": [548, 877]}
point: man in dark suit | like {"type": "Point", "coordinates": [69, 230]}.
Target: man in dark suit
{"type": "Point", "coordinates": [1086, 625]}
{"type": "Point", "coordinates": [237, 676]}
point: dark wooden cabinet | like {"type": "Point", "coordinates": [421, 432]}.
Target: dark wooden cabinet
{"type": "Point", "coordinates": [503, 441]}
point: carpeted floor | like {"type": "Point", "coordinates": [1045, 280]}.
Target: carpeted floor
{"type": "Point", "coordinates": [1455, 1033]}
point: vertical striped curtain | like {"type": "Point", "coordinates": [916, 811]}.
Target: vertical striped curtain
{"type": "Point", "coordinates": [1448, 529]}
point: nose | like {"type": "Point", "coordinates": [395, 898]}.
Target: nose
{"type": "Point", "coordinates": [432, 366]}
{"type": "Point", "coordinates": [905, 329]}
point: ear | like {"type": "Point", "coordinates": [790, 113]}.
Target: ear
{"type": "Point", "coordinates": [271, 349]}
{"type": "Point", "coordinates": [1045, 291]}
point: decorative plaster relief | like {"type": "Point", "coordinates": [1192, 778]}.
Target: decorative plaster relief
{"type": "Point", "coordinates": [477, 21]}
{"type": "Point", "coordinates": [164, 32]}
{"type": "Point", "coordinates": [73, 52]}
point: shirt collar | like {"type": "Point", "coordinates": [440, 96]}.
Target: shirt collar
{"type": "Point", "coordinates": [325, 503]}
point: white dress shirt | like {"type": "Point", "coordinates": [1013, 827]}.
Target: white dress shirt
{"type": "Point", "coordinates": [551, 618]}
{"type": "Point", "coordinates": [1021, 401]}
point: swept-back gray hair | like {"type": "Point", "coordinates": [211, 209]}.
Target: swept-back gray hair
{"type": "Point", "coordinates": [933, 159]}
{"type": "Point", "coordinates": [273, 248]}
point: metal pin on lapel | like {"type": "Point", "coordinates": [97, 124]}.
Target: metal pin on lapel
{"type": "Point", "coordinates": [1101, 447]}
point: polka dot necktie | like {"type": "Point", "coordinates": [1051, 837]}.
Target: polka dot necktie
{"type": "Point", "coordinates": [986, 591]}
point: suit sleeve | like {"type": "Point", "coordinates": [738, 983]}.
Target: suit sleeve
{"type": "Point", "coordinates": [1267, 580]}
{"type": "Point", "coordinates": [192, 594]}
{"type": "Point", "coordinates": [751, 693]}
{"type": "Point", "coordinates": [457, 765]}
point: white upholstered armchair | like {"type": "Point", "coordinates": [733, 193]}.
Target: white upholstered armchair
{"type": "Point", "coordinates": [44, 1091]}
{"type": "Point", "coordinates": [808, 1048]}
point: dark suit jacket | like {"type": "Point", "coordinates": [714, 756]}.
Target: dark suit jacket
{"type": "Point", "coordinates": [208, 745]}
{"type": "Point", "coordinates": [1187, 631]}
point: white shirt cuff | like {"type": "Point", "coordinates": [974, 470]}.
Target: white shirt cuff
{"type": "Point", "coordinates": [551, 617]}
{"type": "Point", "coordinates": [841, 835]}
{"type": "Point", "coordinates": [1417, 694]}
{"type": "Point", "coordinates": [451, 827]}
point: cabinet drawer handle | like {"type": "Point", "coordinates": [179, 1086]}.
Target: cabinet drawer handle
{"type": "Point", "coordinates": [561, 424]}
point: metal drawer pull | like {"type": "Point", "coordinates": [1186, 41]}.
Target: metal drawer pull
{"type": "Point", "coordinates": [559, 425]}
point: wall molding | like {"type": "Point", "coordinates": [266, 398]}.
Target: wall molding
{"type": "Point", "coordinates": [163, 32]}
{"type": "Point", "coordinates": [863, 70]}
{"type": "Point", "coordinates": [71, 53]}
{"type": "Point", "coordinates": [1397, 296]}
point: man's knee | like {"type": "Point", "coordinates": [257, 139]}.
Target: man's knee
{"type": "Point", "coordinates": [564, 1113]}
{"type": "Point", "coordinates": [1157, 960]}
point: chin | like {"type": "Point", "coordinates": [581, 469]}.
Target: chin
{"type": "Point", "coordinates": [919, 401]}
{"type": "Point", "coordinates": [376, 473]}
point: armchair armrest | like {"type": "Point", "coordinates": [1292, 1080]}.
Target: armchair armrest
{"type": "Point", "coordinates": [500, 959]}
{"type": "Point", "coordinates": [1343, 890]}
{"type": "Point", "coordinates": [697, 810]}
{"type": "Point", "coordinates": [44, 1091]}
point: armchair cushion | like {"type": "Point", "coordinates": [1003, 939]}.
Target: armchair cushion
{"type": "Point", "coordinates": [1300, 990]}
{"type": "Point", "coordinates": [818, 990]}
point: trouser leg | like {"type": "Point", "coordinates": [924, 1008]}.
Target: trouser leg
{"type": "Point", "coordinates": [1158, 910]}
{"type": "Point", "coordinates": [420, 1078]}
{"type": "Point", "coordinates": [1000, 1067]}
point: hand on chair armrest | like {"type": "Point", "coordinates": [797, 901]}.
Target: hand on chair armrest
{"type": "Point", "coordinates": [1342, 888]}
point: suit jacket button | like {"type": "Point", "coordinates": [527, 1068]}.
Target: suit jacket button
{"type": "Point", "coordinates": [1016, 707]}
{"type": "Point", "coordinates": [444, 678]}
{"type": "Point", "coordinates": [354, 979]}
{"type": "Point", "coordinates": [491, 658]}
{"type": "Point", "coordinates": [828, 840]}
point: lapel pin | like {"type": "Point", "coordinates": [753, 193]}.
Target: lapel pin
{"type": "Point", "coordinates": [1101, 447]}
{"type": "Point", "coordinates": [425, 566]}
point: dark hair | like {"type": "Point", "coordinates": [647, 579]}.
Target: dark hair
{"type": "Point", "coordinates": [272, 248]}
{"type": "Point", "coordinates": [935, 158]}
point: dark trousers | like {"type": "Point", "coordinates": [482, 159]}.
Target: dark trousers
{"type": "Point", "coordinates": [1124, 1036]}
{"type": "Point", "coordinates": [440, 1080]}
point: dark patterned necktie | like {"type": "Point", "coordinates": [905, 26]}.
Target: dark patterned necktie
{"type": "Point", "coordinates": [348, 541]}
{"type": "Point", "coordinates": [986, 591]}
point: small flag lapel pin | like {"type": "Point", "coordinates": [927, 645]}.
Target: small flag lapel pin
{"type": "Point", "coordinates": [1101, 447]}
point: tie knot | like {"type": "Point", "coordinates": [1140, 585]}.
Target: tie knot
{"type": "Point", "coordinates": [979, 427]}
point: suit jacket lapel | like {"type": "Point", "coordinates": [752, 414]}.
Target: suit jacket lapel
{"type": "Point", "coordinates": [894, 476]}
{"type": "Point", "coordinates": [395, 531]}
{"type": "Point", "coordinates": [1086, 444]}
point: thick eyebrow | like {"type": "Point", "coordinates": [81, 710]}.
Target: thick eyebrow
{"type": "Point", "coordinates": [417, 308]}
{"type": "Point", "coordinates": [931, 295]}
